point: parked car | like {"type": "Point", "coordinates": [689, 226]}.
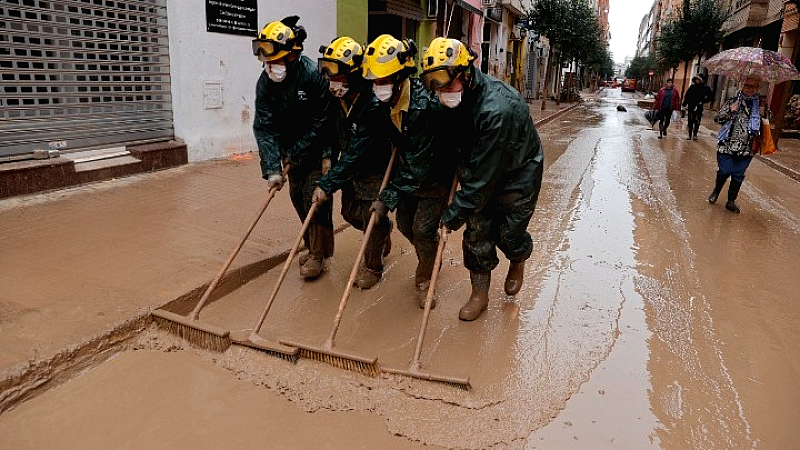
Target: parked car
{"type": "Point", "coordinates": [629, 85]}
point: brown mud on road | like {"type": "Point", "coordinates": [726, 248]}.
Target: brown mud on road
{"type": "Point", "coordinates": [648, 319]}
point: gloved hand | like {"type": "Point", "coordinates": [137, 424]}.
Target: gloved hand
{"type": "Point", "coordinates": [379, 208]}
{"type": "Point", "coordinates": [326, 165]}
{"type": "Point", "coordinates": [275, 180]}
{"type": "Point", "coordinates": [319, 196]}
{"type": "Point", "coordinates": [451, 220]}
{"type": "Point", "coordinates": [287, 165]}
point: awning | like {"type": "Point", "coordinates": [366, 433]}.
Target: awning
{"type": "Point", "coordinates": [464, 5]}
{"type": "Point", "coordinates": [409, 9]}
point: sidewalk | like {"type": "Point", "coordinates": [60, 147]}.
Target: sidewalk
{"type": "Point", "coordinates": [83, 267]}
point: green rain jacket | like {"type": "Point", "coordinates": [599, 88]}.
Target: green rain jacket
{"type": "Point", "coordinates": [500, 142]}
{"type": "Point", "coordinates": [365, 148]}
{"type": "Point", "coordinates": [427, 153]}
{"type": "Point", "coordinates": [293, 118]}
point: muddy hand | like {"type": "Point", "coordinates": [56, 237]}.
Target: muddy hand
{"type": "Point", "coordinates": [275, 181]}
{"type": "Point", "coordinates": [326, 166]}
{"type": "Point", "coordinates": [319, 196]}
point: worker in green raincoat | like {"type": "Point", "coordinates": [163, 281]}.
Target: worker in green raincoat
{"type": "Point", "coordinates": [294, 130]}
{"type": "Point", "coordinates": [501, 168]}
{"type": "Point", "coordinates": [365, 155]}
{"type": "Point", "coordinates": [427, 162]}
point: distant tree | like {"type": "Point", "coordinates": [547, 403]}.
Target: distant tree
{"type": "Point", "coordinates": [548, 18]}
{"type": "Point", "coordinates": [640, 67]}
{"type": "Point", "coordinates": [573, 30]}
{"type": "Point", "coordinates": [698, 30]}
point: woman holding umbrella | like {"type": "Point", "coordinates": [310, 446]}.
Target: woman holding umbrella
{"type": "Point", "coordinates": [741, 115]}
{"type": "Point", "coordinates": [741, 119]}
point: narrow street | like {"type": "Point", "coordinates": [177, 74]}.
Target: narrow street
{"type": "Point", "coordinates": [649, 318]}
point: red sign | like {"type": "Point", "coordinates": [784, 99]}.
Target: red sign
{"type": "Point", "coordinates": [650, 73]}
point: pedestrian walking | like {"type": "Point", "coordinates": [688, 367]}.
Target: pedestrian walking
{"type": "Point", "coordinates": [697, 94]}
{"type": "Point", "coordinates": [741, 119]}
{"type": "Point", "coordinates": [294, 130]}
{"type": "Point", "coordinates": [667, 100]}
{"type": "Point", "coordinates": [419, 190]}
{"type": "Point", "coordinates": [365, 151]}
{"type": "Point", "coordinates": [501, 168]}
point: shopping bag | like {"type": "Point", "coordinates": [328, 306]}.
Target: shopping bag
{"type": "Point", "coordinates": [766, 145]}
{"type": "Point", "coordinates": [651, 115]}
{"type": "Point", "coordinates": [676, 115]}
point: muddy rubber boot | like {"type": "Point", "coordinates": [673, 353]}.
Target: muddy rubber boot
{"type": "Point", "coordinates": [312, 268]}
{"type": "Point", "coordinates": [717, 189]}
{"type": "Point", "coordinates": [422, 294]}
{"type": "Point", "coordinates": [302, 259]}
{"type": "Point", "coordinates": [367, 278]}
{"type": "Point", "coordinates": [516, 274]}
{"type": "Point", "coordinates": [733, 193]}
{"type": "Point", "coordinates": [317, 237]}
{"type": "Point", "coordinates": [479, 299]}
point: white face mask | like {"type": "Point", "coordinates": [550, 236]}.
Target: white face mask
{"type": "Point", "coordinates": [276, 72]}
{"type": "Point", "coordinates": [450, 99]}
{"type": "Point", "coordinates": [338, 89]}
{"type": "Point", "coordinates": [383, 92]}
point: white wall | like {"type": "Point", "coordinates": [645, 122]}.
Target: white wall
{"type": "Point", "coordinates": [198, 57]}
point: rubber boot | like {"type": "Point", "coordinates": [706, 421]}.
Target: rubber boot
{"type": "Point", "coordinates": [422, 294]}
{"type": "Point", "coordinates": [717, 189]}
{"type": "Point", "coordinates": [516, 274]}
{"type": "Point", "coordinates": [317, 238]}
{"type": "Point", "coordinates": [733, 192]}
{"type": "Point", "coordinates": [479, 299]}
{"type": "Point", "coordinates": [367, 278]}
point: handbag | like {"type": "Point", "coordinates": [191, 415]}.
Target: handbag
{"type": "Point", "coordinates": [651, 115]}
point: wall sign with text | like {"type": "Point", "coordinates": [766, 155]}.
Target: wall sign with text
{"type": "Point", "coordinates": [232, 17]}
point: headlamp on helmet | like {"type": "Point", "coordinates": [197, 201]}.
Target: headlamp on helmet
{"type": "Point", "coordinates": [443, 61]}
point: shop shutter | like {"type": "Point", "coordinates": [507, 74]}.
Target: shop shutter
{"type": "Point", "coordinates": [78, 74]}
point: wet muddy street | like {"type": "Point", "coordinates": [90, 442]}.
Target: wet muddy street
{"type": "Point", "coordinates": [648, 319]}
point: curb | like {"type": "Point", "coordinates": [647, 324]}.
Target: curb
{"type": "Point", "coordinates": [779, 167]}
{"type": "Point", "coordinates": [549, 118]}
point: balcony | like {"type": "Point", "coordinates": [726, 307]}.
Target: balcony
{"type": "Point", "coordinates": [517, 7]}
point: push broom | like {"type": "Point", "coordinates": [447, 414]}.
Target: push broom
{"type": "Point", "coordinates": [251, 338]}
{"type": "Point", "coordinates": [189, 327]}
{"type": "Point", "coordinates": [327, 353]}
{"type": "Point", "coordinates": [414, 369]}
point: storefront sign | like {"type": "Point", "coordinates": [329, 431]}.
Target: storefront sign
{"type": "Point", "coordinates": [232, 17]}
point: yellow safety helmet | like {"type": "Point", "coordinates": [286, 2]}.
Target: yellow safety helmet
{"type": "Point", "coordinates": [342, 57]}
{"type": "Point", "coordinates": [444, 59]}
{"type": "Point", "coordinates": [278, 38]}
{"type": "Point", "coordinates": [386, 56]}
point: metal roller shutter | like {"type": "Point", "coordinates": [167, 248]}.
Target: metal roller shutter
{"type": "Point", "coordinates": [83, 73]}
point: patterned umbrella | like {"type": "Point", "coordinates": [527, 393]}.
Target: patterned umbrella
{"type": "Point", "coordinates": [745, 62]}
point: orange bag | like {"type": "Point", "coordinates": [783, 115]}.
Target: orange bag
{"type": "Point", "coordinates": [764, 143]}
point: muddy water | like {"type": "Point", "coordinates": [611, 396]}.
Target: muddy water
{"type": "Point", "coordinates": [649, 319]}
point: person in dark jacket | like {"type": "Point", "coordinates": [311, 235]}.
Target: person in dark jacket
{"type": "Point", "coordinates": [697, 94]}
{"type": "Point", "coordinates": [365, 155]}
{"type": "Point", "coordinates": [667, 100]}
{"type": "Point", "coordinates": [741, 119]}
{"type": "Point", "coordinates": [294, 130]}
{"type": "Point", "coordinates": [500, 173]}
{"type": "Point", "coordinates": [420, 188]}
